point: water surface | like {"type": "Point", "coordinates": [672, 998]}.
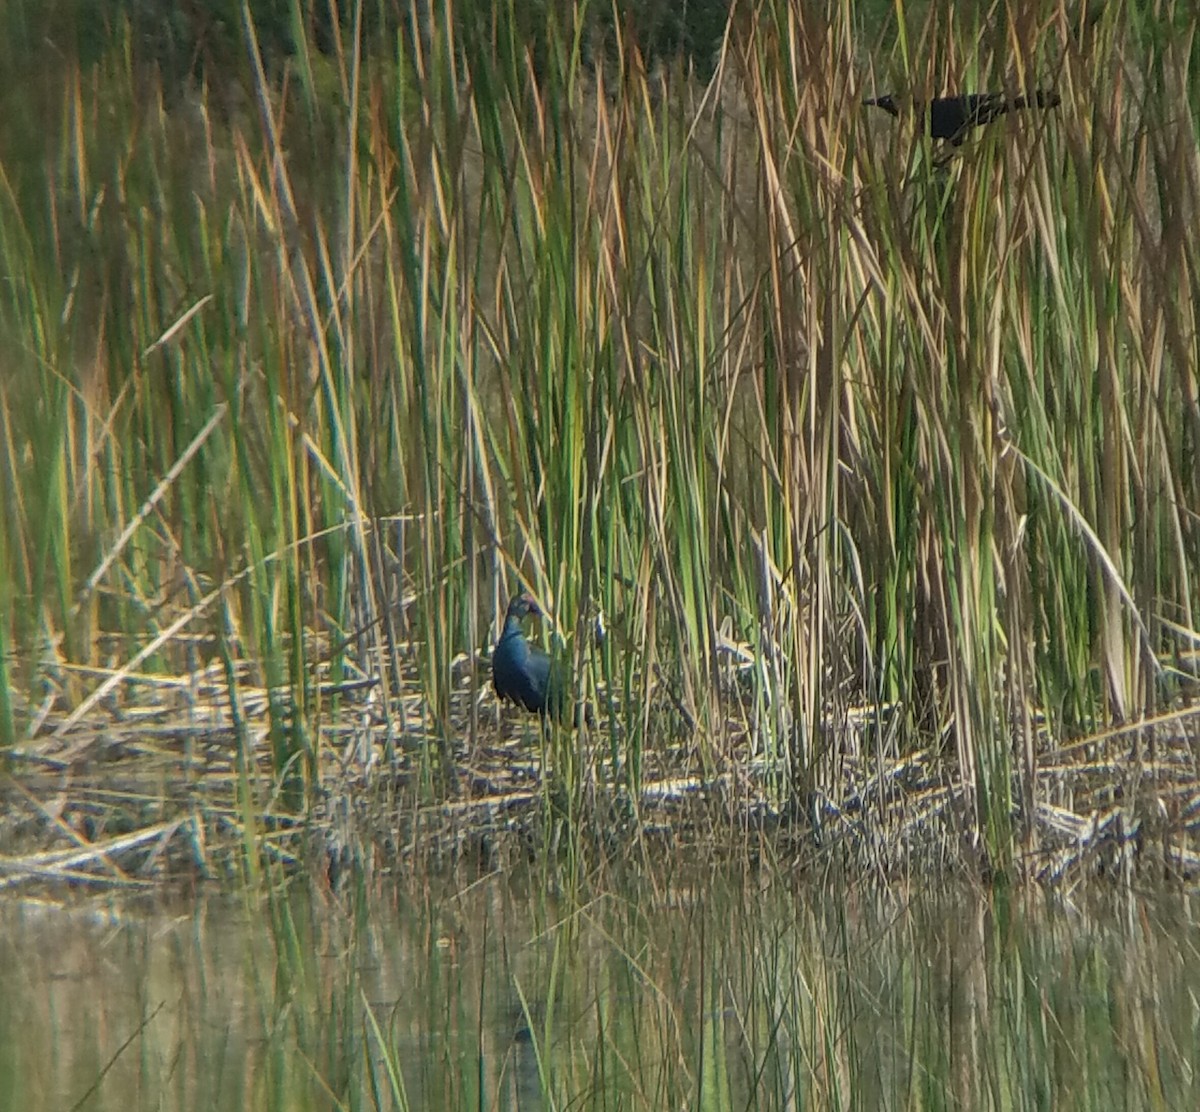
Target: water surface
{"type": "Point", "coordinates": [712, 992]}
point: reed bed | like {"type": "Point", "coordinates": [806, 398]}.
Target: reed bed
{"type": "Point", "coordinates": [877, 465]}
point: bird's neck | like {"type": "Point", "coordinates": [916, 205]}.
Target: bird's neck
{"type": "Point", "coordinates": [512, 631]}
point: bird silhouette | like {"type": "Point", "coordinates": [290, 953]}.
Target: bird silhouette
{"type": "Point", "coordinates": [524, 673]}
{"type": "Point", "coordinates": [950, 118]}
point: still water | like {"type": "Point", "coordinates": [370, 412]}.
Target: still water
{"type": "Point", "coordinates": [712, 992]}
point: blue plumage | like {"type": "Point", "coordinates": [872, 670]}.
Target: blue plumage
{"type": "Point", "coordinates": [522, 672]}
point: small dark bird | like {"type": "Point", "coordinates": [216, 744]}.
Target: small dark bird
{"type": "Point", "coordinates": [951, 118]}
{"type": "Point", "coordinates": [524, 673]}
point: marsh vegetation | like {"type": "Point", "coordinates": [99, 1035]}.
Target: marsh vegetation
{"type": "Point", "coordinates": [855, 476]}
{"type": "Point", "coordinates": [880, 470]}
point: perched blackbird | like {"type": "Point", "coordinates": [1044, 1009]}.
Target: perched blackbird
{"type": "Point", "coordinates": [952, 117]}
{"type": "Point", "coordinates": [523, 672]}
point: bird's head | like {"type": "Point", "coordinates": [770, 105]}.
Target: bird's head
{"type": "Point", "coordinates": [886, 102]}
{"type": "Point", "coordinates": [522, 606]}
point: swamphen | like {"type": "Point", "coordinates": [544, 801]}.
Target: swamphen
{"type": "Point", "coordinates": [952, 117]}
{"type": "Point", "coordinates": [523, 672]}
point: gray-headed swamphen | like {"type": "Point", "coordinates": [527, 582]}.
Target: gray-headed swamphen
{"type": "Point", "coordinates": [524, 673]}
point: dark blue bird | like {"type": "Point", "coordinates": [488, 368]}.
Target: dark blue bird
{"type": "Point", "coordinates": [522, 672]}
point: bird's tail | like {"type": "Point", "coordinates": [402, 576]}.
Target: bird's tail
{"type": "Point", "coordinates": [1039, 98]}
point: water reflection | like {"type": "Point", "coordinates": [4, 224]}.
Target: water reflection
{"type": "Point", "coordinates": [712, 994]}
